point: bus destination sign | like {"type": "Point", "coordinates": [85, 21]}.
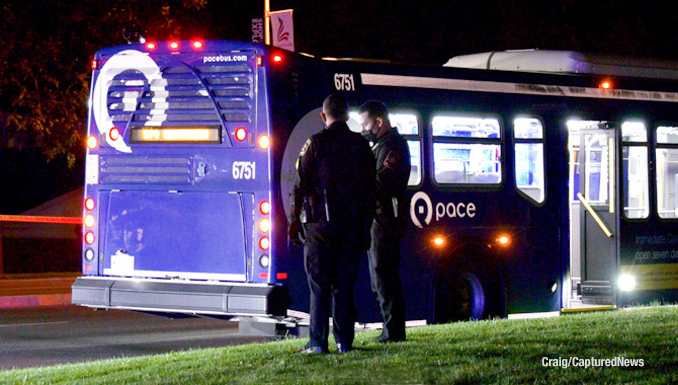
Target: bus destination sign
{"type": "Point", "coordinates": [175, 135]}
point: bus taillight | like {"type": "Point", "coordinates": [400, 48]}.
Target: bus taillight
{"type": "Point", "coordinates": [89, 204]}
{"type": "Point", "coordinates": [264, 142]}
{"type": "Point", "coordinates": [95, 64]}
{"type": "Point", "coordinates": [92, 142]}
{"type": "Point", "coordinates": [264, 243]}
{"type": "Point", "coordinates": [240, 134]}
{"type": "Point", "coordinates": [264, 207]}
{"type": "Point", "coordinates": [89, 238]}
{"type": "Point", "coordinates": [114, 134]}
{"type": "Point", "coordinates": [260, 61]}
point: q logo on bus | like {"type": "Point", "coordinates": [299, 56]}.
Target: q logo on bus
{"type": "Point", "coordinates": [422, 207]}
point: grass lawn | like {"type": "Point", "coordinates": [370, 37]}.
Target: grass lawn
{"type": "Point", "coordinates": [502, 351]}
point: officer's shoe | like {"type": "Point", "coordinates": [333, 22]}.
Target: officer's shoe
{"type": "Point", "coordinates": [311, 350]}
{"type": "Point", "coordinates": [384, 338]}
{"type": "Point", "coordinates": [341, 348]}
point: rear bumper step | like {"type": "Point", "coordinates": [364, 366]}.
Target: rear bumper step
{"type": "Point", "coordinates": [221, 298]}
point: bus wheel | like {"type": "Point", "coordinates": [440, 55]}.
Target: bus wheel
{"type": "Point", "coordinates": [464, 296]}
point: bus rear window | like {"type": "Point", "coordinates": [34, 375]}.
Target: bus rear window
{"type": "Point", "coordinates": [466, 150]}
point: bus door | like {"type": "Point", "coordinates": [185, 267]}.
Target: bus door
{"type": "Point", "coordinates": [599, 212]}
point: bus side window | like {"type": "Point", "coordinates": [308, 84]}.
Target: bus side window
{"type": "Point", "coordinates": [466, 150]}
{"type": "Point", "coordinates": [529, 158]}
{"type": "Point", "coordinates": [407, 125]}
{"type": "Point", "coordinates": [667, 171]}
{"type": "Point", "coordinates": [635, 170]}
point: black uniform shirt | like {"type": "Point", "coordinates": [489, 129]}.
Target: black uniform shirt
{"type": "Point", "coordinates": [337, 164]}
{"type": "Point", "coordinates": [393, 172]}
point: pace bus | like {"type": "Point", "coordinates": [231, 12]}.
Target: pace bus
{"type": "Point", "coordinates": [532, 191]}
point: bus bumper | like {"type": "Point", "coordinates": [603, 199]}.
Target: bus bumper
{"type": "Point", "coordinates": [187, 297]}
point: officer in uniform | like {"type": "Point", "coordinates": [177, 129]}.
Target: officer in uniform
{"type": "Point", "coordinates": [391, 218]}
{"type": "Point", "coordinates": [333, 206]}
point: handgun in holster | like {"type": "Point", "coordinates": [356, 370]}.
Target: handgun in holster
{"type": "Point", "coordinates": [316, 208]}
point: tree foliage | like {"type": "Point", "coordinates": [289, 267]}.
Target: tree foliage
{"type": "Point", "coordinates": [44, 62]}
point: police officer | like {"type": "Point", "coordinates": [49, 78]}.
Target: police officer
{"type": "Point", "coordinates": [391, 218]}
{"type": "Point", "coordinates": [333, 205]}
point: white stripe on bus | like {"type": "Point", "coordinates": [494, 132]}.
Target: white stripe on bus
{"type": "Point", "coordinates": [513, 88]}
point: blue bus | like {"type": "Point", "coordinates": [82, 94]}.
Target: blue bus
{"type": "Point", "coordinates": [532, 192]}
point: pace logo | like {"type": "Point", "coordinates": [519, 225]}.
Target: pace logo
{"type": "Point", "coordinates": [421, 207]}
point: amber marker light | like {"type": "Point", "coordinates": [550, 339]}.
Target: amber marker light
{"type": "Point", "coordinates": [504, 240]}
{"type": "Point", "coordinates": [264, 225]}
{"type": "Point", "coordinates": [264, 142]}
{"type": "Point", "coordinates": [438, 241]}
{"type": "Point", "coordinates": [89, 221]}
{"type": "Point", "coordinates": [605, 85]}
{"type": "Point", "coordinates": [92, 142]}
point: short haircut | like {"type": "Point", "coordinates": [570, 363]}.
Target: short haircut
{"type": "Point", "coordinates": [375, 109]}
{"type": "Point", "coordinates": [336, 106]}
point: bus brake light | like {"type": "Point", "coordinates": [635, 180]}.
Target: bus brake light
{"type": "Point", "coordinates": [240, 134]}
{"type": "Point", "coordinates": [264, 207]}
{"type": "Point", "coordinates": [95, 64]}
{"type": "Point", "coordinates": [89, 204]}
{"type": "Point", "coordinates": [114, 134]}
{"type": "Point", "coordinates": [260, 61]}
{"type": "Point", "coordinates": [264, 243]}
{"type": "Point", "coordinates": [89, 237]}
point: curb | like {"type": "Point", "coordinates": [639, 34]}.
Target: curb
{"type": "Point", "coordinates": [23, 301]}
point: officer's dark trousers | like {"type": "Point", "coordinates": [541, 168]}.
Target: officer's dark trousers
{"type": "Point", "coordinates": [384, 262]}
{"type": "Point", "coordinates": [331, 259]}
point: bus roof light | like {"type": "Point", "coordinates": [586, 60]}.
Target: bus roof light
{"type": "Point", "coordinates": [198, 44]}
{"type": "Point", "coordinates": [151, 46]}
{"type": "Point", "coordinates": [174, 45]}
{"type": "Point", "coordinates": [277, 58]}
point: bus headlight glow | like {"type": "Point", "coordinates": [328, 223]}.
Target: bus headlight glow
{"type": "Point", "coordinates": [89, 255]}
{"type": "Point", "coordinates": [264, 261]}
{"type": "Point", "coordinates": [626, 282]}
{"type": "Point", "coordinates": [264, 225]}
{"type": "Point", "coordinates": [89, 221]}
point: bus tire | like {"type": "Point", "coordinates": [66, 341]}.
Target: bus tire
{"type": "Point", "coordinates": [466, 294]}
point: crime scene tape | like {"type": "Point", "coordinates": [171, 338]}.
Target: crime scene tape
{"type": "Point", "coordinates": [41, 219]}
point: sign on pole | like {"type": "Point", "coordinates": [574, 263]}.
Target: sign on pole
{"type": "Point", "coordinates": [282, 29]}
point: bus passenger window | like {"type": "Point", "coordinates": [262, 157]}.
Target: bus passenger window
{"type": "Point", "coordinates": [635, 170]}
{"type": "Point", "coordinates": [667, 171]}
{"type": "Point", "coordinates": [407, 125]}
{"type": "Point", "coordinates": [466, 150]}
{"type": "Point", "coordinates": [529, 158]}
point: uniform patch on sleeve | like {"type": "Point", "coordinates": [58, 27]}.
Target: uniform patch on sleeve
{"type": "Point", "coordinates": [392, 160]}
{"type": "Point", "coordinates": [305, 148]}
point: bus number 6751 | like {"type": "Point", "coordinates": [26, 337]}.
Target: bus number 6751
{"type": "Point", "coordinates": [244, 170]}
